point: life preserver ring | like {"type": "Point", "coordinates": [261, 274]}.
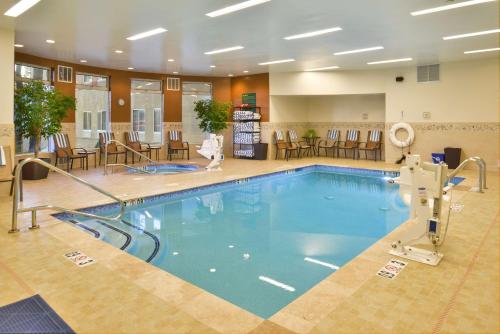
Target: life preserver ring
{"type": "Point", "coordinates": [401, 143]}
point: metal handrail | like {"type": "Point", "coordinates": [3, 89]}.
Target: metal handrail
{"type": "Point", "coordinates": [119, 143]}
{"type": "Point", "coordinates": [34, 209]}
{"type": "Point", "coordinates": [482, 171]}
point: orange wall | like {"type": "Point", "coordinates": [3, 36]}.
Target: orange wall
{"type": "Point", "coordinates": [223, 89]}
{"type": "Point", "coordinates": [258, 84]}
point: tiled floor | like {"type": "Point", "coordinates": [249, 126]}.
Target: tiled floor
{"type": "Point", "coordinates": [123, 294]}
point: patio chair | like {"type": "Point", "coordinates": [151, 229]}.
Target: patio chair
{"type": "Point", "coordinates": [351, 143]}
{"type": "Point", "coordinates": [294, 141]}
{"type": "Point", "coordinates": [176, 145]}
{"type": "Point", "coordinates": [64, 151]}
{"type": "Point", "coordinates": [133, 141]}
{"type": "Point", "coordinates": [104, 139]}
{"type": "Point", "coordinates": [330, 143]}
{"type": "Point", "coordinates": [372, 144]}
{"type": "Point", "coordinates": [282, 145]}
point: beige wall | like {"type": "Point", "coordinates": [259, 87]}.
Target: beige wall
{"type": "Point", "coordinates": [346, 108]}
{"type": "Point", "coordinates": [464, 104]}
{"type": "Point", "coordinates": [7, 87]}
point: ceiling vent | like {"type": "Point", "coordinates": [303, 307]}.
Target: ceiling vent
{"type": "Point", "coordinates": [427, 73]}
{"type": "Point", "coordinates": [173, 83]}
{"type": "Point", "coordinates": [64, 74]}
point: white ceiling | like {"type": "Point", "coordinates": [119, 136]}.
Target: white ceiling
{"type": "Point", "coordinates": [93, 29]}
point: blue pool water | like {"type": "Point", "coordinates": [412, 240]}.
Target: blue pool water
{"type": "Point", "coordinates": [235, 239]}
{"type": "Point", "coordinates": [167, 168]}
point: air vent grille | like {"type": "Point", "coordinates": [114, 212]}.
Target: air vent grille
{"type": "Point", "coordinates": [64, 74]}
{"type": "Point", "coordinates": [173, 83]}
{"type": "Point", "coordinates": [428, 73]}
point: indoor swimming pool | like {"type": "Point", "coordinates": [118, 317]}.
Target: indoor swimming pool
{"type": "Point", "coordinates": [261, 242]}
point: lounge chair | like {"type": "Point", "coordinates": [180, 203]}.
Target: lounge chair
{"type": "Point", "coordinates": [66, 152]}
{"type": "Point", "coordinates": [104, 139]}
{"type": "Point", "coordinates": [282, 145]}
{"type": "Point", "coordinates": [294, 141]}
{"type": "Point", "coordinates": [132, 140]}
{"type": "Point", "coordinates": [372, 144]}
{"type": "Point", "coordinates": [6, 172]}
{"type": "Point", "coordinates": [176, 145]}
{"type": "Point", "coordinates": [330, 143]}
{"type": "Point", "coordinates": [351, 143]}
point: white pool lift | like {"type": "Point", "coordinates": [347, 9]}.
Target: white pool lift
{"type": "Point", "coordinates": [212, 149]}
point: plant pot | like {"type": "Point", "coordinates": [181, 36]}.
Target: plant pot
{"type": "Point", "coordinates": [34, 171]}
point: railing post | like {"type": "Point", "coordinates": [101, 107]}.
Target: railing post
{"type": "Point", "coordinates": [34, 224]}
{"type": "Point", "coordinates": [15, 199]}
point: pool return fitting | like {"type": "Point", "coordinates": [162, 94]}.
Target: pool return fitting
{"type": "Point", "coordinates": [422, 186]}
{"type": "Point", "coordinates": [34, 225]}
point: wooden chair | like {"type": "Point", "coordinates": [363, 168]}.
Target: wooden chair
{"type": "Point", "coordinates": [351, 143]}
{"type": "Point", "coordinates": [373, 144]}
{"type": "Point", "coordinates": [331, 142]}
{"type": "Point", "coordinates": [104, 138]}
{"type": "Point", "coordinates": [66, 152]}
{"type": "Point", "coordinates": [281, 144]}
{"type": "Point", "coordinates": [176, 145]}
{"type": "Point", "coordinates": [302, 145]}
{"type": "Point", "coordinates": [132, 140]}
{"type": "Point", "coordinates": [6, 172]}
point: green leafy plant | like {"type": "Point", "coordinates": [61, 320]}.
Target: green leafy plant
{"type": "Point", "coordinates": [311, 133]}
{"type": "Point", "coordinates": [213, 115]}
{"type": "Point", "coordinates": [39, 111]}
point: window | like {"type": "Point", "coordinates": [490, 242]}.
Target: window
{"type": "Point", "coordinates": [25, 73]}
{"type": "Point", "coordinates": [147, 111]}
{"type": "Point", "coordinates": [92, 108]}
{"type": "Point", "coordinates": [157, 120]}
{"type": "Point", "coordinates": [102, 120]}
{"type": "Point", "coordinates": [138, 120]}
{"type": "Point", "coordinates": [192, 92]}
{"type": "Point", "coordinates": [87, 120]}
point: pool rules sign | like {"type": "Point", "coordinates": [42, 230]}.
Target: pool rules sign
{"type": "Point", "coordinates": [80, 259]}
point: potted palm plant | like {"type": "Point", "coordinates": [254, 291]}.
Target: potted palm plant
{"type": "Point", "coordinates": [213, 115]}
{"type": "Point", "coordinates": [38, 113]}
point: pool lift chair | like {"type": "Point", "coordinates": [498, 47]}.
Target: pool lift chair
{"type": "Point", "coordinates": [425, 187]}
{"type": "Point", "coordinates": [212, 149]}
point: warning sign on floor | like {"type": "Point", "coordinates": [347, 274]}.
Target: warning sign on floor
{"type": "Point", "coordinates": [392, 269]}
{"type": "Point", "coordinates": [80, 259]}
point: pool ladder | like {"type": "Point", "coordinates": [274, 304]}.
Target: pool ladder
{"type": "Point", "coordinates": [17, 197]}
{"type": "Point", "coordinates": [127, 148]}
{"type": "Point", "coordinates": [482, 171]}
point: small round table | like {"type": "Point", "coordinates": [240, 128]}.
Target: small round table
{"type": "Point", "coordinates": [311, 141]}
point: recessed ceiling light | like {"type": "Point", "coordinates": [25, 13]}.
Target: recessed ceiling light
{"type": "Point", "coordinates": [277, 61]}
{"type": "Point", "coordinates": [236, 7]}
{"type": "Point", "coordinates": [230, 75]}
{"type": "Point", "coordinates": [322, 68]}
{"type": "Point", "coordinates": [170, 60]}
{"type": "Point", "coordinates": [83, 60]}
{"type": "Point", "coordinates": [118, 51]}
{"type": "Point", "coordinates": [175, 72]}
{"type": "Point", "coordinates": [130, 68]}
{"type": "Point", "coordinates": [448, 7]}
{"type": "Point", "coordinates": [245, 71]}
{"type": "Point", "coordinates": [213, 66]}
{"type": "Point", "coordinates": [359, 50]}
{"type": "Point", "coordinates": [148, 33]}
{"type": "Point", "coordinates": [50, 41]}
{"type": "Point", "coordinates": [233, 48]}
{"type": "Point", "coordinates": [20, 7]}
{"type": "Point", "coordinates": [483, 50]}
{"type": "Point", "coordinates": [389, 61]}
{"type": "Point", "coordinates": [18, 46]}
{"type": "Point", "coordinates": [314, 33]}
{"type": "Point", "coordinates": [472, 34]}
